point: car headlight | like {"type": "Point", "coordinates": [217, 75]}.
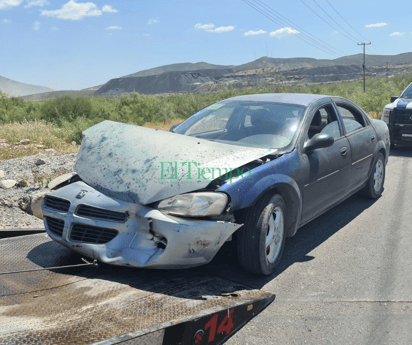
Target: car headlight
{"type": "Point", "coordinates": [200, 204]}
{"type": "Point", "coordinates": [385, 115]}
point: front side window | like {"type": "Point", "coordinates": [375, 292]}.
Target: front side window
{"type": "Point", "coordinates": [324, 121]}
{"type": "Point", "coordinates": [246, 123]}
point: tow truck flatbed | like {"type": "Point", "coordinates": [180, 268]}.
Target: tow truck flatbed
{"type": "Point", "coordinates": [73, 304]}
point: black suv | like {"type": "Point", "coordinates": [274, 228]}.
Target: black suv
{"type": "Point", "coordinates": [398, 116]}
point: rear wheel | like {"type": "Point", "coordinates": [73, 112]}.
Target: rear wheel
{"type": "Point", "coordinates": [261, 240]}
{"type": "Point", "coordinates": [374, 186]}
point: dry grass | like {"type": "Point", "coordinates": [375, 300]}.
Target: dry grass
{"type": "Point", "coordinates": [375, 115]}
{"type": "Point", "coordinates": [46, 135]}
{"type": "Point", "coordinates": [42, 136]}
{"type": "Point", "coordinates": [163, 126]}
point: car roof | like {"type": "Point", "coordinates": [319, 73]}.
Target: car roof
{"type": "Point", "coordinates": [291, 98]}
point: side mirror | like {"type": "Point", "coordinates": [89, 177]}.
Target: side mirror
{"type": "Point", "coordinates": [318, 141]}
{"type": "Point", "coordinates": [173, 127]}
{"type": "Point", "coordinates": [394, 98]}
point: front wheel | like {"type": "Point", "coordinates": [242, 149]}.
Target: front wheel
{"type": "Point", "coordinates": [262, 238]}
{"type": "Point", "coordinates": [374, 186]}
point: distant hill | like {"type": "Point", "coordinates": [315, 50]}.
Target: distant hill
{"type": "Point", "coordinates": [177, 81]}
{"type": "Point", "coordinates": [177, 67]}
{"type": "Point", "coordinates": [15, 89]}
{"type": "Point", "coordinates": [203, 77]}
{"type": "Point", "coordinates": [375, 60]}
{"type": "Point", "coordinates": [281, 63]}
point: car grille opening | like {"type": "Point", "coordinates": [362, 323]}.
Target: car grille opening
{"type": "Point", "coordinates": [55, 226]}
{"type": "Point", "coordinates": [100, 213]}
{"type": "Point", "coordinates": [56, 203]}
{"type": "Point", "coordinates": [403, 116]}
{"type": "Point", "coordinates": [91, 234]}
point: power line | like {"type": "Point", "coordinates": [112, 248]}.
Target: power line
{"type": "Point", "coordinates": [274, 21]}
{"type": "Point", "coordinates": [350, 25]}
{"type": "Point", "coordinates": [327, 22]}
{"type": "Point", "coordinates": [346, 21]}
{"type": "Point", "coordinates": [334, 20]}
{"type": "Point", "coordinates": [307, 34]}
{"type": "Point", "coordinates": [278, 19]}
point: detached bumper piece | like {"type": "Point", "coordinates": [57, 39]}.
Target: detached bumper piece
{"type": "Point", "coordinates": [113, 305]}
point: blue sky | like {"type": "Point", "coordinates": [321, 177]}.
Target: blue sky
{"type": "Point", "coordinates": [77, 44]}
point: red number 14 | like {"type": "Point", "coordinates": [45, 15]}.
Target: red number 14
{"type": "Point", "coordinates": [226, 325]}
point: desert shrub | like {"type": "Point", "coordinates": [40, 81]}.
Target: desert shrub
{"type": "Point", "coordinates": [66, 108]}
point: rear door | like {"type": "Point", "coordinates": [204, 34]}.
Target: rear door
{"type": "Point", "coordinates": [362, 139]}
{"type": "Point", "coordinates": [325, 171]}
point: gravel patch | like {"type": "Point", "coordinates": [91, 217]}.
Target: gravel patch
{"type": "Point", "coordinates": [13, 200]}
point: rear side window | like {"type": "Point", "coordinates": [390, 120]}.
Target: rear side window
{"type": "Point", "coordinates": [352, 119]}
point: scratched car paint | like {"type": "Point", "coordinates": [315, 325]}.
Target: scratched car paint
{"type": "Point", "coordinates": [154, 199]}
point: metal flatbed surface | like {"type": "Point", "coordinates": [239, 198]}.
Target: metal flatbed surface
{"type": "Point", "coordinates": [107, 305]}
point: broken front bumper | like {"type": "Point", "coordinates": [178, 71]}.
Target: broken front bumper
{"type": "Point", "coordinates": [121, 233]}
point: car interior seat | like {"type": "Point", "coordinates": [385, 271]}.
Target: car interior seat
{"type": "Point", "coordinates": [316, 125]}
{"type": "Point", "coordinates": [263, 122]}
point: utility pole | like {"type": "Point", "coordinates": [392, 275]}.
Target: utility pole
{"type": "Point", "coordinates": [364, 65]}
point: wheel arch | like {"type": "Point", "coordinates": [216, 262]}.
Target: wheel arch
{"type": "Point", "coordinates": [289, 191]}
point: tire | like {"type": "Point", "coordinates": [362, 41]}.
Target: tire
{"type": "Point", "coordinates": [374, 186]}
{"type": "Point", "coordinates": [257, 252]}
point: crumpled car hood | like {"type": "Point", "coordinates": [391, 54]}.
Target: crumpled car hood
{"type": "Point", "coordinates": [125, 161]}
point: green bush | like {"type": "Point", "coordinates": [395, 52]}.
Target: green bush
{"type": "Point", "coordinates": [79, 113]}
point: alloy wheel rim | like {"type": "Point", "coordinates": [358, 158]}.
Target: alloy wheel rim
{"type": "Point", "coordinates": [274, 235]}
{"type": "Point", "coordinates": [378, 176]}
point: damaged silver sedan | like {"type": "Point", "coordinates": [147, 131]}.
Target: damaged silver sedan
{"type": "Point", "coordinates": [252, 169]}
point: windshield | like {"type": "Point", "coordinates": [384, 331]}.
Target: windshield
{"type": "Point", "coordinates": [255, 124]}
{"type": "Point", "coordinates": [408, 92]}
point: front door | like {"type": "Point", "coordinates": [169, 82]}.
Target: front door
{"type": "Point", "coordinates": [326, 170]}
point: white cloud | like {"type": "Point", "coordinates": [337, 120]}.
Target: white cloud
{"type": "Point", "coordinates": [254, 33]}
{"type": "Point", "coordinates": [6, 21]}
{"type": "Point", "coordinates": [9, 3]}
{"type": "Point", "coordinates": [396, 33]}
{"type": "Point", "coordinates": [114, 28]}
{"type": "Point", "coordinates": [222, 29]}
{"type": "Point", "coordinates": [377, 25]}
{"type": "Point", "coordinates": [31, 3]}
{"type": "Point", "coordinates": [74, 11]}
{"type": "Point", "coordinates": [152, 21]}
{"type": "Point", "coordinates": [108, 8]}
{"type": "Point", "coordinates": [211, 28]}
{"type": "Point", "coordinates": [284, 32]}
{"type": "Point", "coordinates": [36, 26]}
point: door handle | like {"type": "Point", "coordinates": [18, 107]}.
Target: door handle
{"type": "Point", "coordinates": [344, 151]}
{"type": "Point", "coordinates": [373, 138]}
